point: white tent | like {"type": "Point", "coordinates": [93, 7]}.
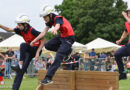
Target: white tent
{"type": "Point", "coordinates": [100, 43]}
{"type": "Point", "coordinates": [78, 45]}
{"type": "Point", "coordinates": [13, 41]}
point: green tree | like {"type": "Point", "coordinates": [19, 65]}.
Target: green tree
{"type": "Point", "coordinates": [94, 18]}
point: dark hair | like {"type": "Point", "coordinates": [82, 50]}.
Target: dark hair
{"type": "Point", "coordinates": [28, 25]}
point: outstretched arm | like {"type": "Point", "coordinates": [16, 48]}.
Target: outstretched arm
{"type": "Point", "coordinates": [125, 33]}
{"type": "Point", "coordinates": [39, 49]}
{"type": "Point", "coordinates": [6, 28]}
{"type": "Point", "coordinates": [125, 16]}
{"type": "Point", "coordinates": [42, 34]}
{"type": "Point", "coordinates": [56, 28]}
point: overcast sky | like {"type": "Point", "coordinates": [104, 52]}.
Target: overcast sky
{"type": "Point", "coordinates": [9, 9]}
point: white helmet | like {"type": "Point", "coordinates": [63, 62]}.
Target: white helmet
{"type": "Point", "coordinates": [128, 9]}
{"type": "Point", "coordinates": [45, 10]}
{"type": "Point", "coordinates": [22, 18]}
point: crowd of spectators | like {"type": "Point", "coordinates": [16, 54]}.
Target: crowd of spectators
{"type": "Point", "coordinates": [87, 61]}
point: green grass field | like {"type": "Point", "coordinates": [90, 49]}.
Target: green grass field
{"type": "Point", "coordinates": [27, 84]}
{"type": "Point", "coordinates": [31, 84]}
{"type": "Point", "coordinates": [124, 84]}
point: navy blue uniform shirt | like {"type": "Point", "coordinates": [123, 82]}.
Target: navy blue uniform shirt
{"type": "Point", "coordinates": [33, 31]}
{"type": "Point", "coordinates": [58, 20]}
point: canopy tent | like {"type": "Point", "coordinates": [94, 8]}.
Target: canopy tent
{"type": "Point", "coordinates": [101, 43]}
{"type": "Point", "coordinates": [78, 45]}
{"type": "Point", "coordinates": [13, 41]}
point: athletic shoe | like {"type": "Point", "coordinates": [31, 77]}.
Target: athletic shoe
{"type": "Point", "coordinates": [46, 81]}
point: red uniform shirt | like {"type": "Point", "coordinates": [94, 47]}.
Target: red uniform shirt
{"type": "Point", "coordinates": [128, 29]}
{"type": "Point", "coordinates": [29, 37]}
{"type": "Point", "coordinates": [66, 28]}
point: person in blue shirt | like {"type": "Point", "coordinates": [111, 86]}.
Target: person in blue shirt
{"type": "Point", "coordinates": [92, 54]}
{"type": "Point", "coordinates": [103, 55]}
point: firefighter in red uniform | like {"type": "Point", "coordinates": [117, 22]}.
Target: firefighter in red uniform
{"type": "Point", "coordinates": [27, 52]}
{"type": "Point", "coordinates": [61, 44]}
{"type": "Point", "coordinates": [124, 50]}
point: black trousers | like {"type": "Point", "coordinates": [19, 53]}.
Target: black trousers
{"type": "Point", "coordinates": [62, 47]}
{"type": "Point", "coordinates": [123, 51]}
{"type": "Point", "coordinates": [26, 54]}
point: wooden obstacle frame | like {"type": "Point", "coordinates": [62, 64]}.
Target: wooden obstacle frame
{"type": "Point", "coordinates": [80, 80]}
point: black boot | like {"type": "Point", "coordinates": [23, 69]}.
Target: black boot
{"type": "Point", "coordinates": [122, 76]}
{"type": "Point", "coordinates": [16, 68]}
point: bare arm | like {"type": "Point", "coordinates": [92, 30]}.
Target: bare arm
{"type": "Point", "coordinates": [42, 34]}
{"type": "Point", "coordinates": [56, 28]}
{"type": "Point", "coordinates": [6, 28]}
{"type": "Point", "coordinates": [125, 16]}
{"type": "Point", "coordinates": [39, 49]}
{"type": "Point", "coordinates": [122, 37]}
{"type": "Point", "coordinates": [41, 45]}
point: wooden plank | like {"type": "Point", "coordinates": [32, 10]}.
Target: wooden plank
{"type": "Point", "coordinates": [55, 89]}
{"type": "Point", "coordinates": [117, 82]}
{"type": "Point", "coordinates": [57, 86]}
{"type": "Point", "coordinates": [96, 73]}
{"type": "Point", "coordinates": [60, 79]}
{"type": "Point", "coordinates": [96, 80]}
{"type": "Point", "coordinates": [58, 76]}
{"type": "Point", "coordinates": [63, 80]}
{"type": "Point", "coordinates": [111, 82]}
{"type": "Point", "coordinates": [94, 85]}
{"type": "Point", "coordinates": [57, 72]}
{"type": "Point", "coordinates": [73, 81]}
{"type": "Point", "coordinates": [95, 77]}
{"type": "Point", "coordinates": [96, 88]}
{"type": "Point", "coordinates": [81, 80]}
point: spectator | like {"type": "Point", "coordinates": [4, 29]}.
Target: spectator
{"type": "Point", "coordinates": [17, 57]}
{"type": "Point", "coordinates": [17, 54]}
{"type": "Point", "coordinates": [92, 54]}
{"type": "Point", "coordinates": [50, 60]}
{"type": "Point", "coordinates": [114, 66]}
{"type": "Point", "coordinates": [1, 78]}
{"type": "Point", "coordinates": [1, 58]}
{"type": "Point", "coordinates": [76, 58]}
{"type": "Point", "coordinates": [31, 68]}
{"type": "Point", "coordinates": [2, 66]}
{"type": "Point", "coordinates": [112, 54]}
{"type": "Point", "coordinates": [85, 60]}
{"type": "Point", "coordinates": [102, 55]}
{"type": "Point", "coordinates": [108, 63]}
{"type": "Point", "coordinates": [40, 65]}
{"type": "Point", "coordinates": [68, 66]}
{"type": "Point", "coordinates": [9, 56]}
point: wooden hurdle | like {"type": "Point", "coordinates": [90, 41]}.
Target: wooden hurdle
{"type": "Point", "coordinates": [63, 80]}
{"type": "Point", "coordinates": [81, 80]}
{"type": "Point", "coordinates": [95, 80]}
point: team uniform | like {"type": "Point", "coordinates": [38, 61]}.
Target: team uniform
{"type": "Point", "coordinates": [26, 52]}
{"type": "Point", "coordinates": [121, 52]}
{"type": "Point", "coordinates": [61, 44]}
